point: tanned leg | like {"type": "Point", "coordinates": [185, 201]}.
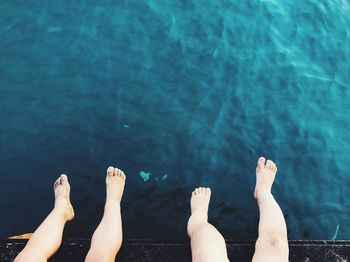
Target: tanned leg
{"type": "Point", "coordinates": [48, 237]}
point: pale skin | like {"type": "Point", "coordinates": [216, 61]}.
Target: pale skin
{"type": "Point", "coordinates": [207, 243]}
{"type": "Point", "coordinates": [107, 238]}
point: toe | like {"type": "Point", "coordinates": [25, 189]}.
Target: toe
{"type": "Point", "coordinates": [196, 191]}
{"type": "Point", "coordinates": [268, 164]}
{"type": "Point", "coordinates": [123, 176]}
{"type": "Point", "coordinates": [208, 191]}
{"type": "Point", "coordinates": [116, 172]}
{"type": "Point", "coordinates": [63, 179]}
{"type": "Point", "coordinates": [261, 162]}
{"type": "Point", "coordinates": [274, 167]}
{"type": "Point", "coordinates": [110, 171]}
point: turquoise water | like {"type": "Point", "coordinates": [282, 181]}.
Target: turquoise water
{"type": "Point", "coordinates": [177, 94]}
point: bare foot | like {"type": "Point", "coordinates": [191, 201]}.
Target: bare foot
{"type": "Point", "coordinates": [199, 208]}
{"type": "Point", "coordinates": [265, 175]}
{"type": "Point", "coordinates": [62, 200]}
{"type": "Point", "coordinates": [115, 182]}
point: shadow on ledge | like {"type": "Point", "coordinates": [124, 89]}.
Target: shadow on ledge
{"type": "Point", "coordinates": [171, 251]}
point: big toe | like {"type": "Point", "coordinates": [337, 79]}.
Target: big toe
{"type": "Point", "coordinates": [208, 191]}
{"type": "Point", "coordinates": [63, 179]}
{"type": "Point", "coordinates": [110, 171]}
{"type": "Point", "coordinates": [261, 162]}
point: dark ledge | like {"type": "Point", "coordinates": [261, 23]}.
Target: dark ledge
{"type": "Point", "coordinates": [179, 251]}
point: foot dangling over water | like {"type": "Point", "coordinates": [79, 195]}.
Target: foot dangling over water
{"type": "Point", "coordinates": [115, 182]}
{"type": "Point", "coordinates": [265, 176]}
{"type": "Point", "coordinates": [199, 208]}
{"type": "Point", "coordinates": [62, 198]}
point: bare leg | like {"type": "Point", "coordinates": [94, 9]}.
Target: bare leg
{"type": "Point", "coordinates": [272, 244]}
{"type": "Point", "coordinates": [107, 239]}
{"type": "Point", "coordinates": [207, 243]}
{"type": "Point", "coordinates": [48, 237]}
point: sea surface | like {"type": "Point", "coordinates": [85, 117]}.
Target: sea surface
{"type": "Point", "coordinates": [178, 94]}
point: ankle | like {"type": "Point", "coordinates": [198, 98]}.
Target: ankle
{"type": "Point", "coordinates": [112, 204]}
{"type": "Point", "coordinates": [60, 212]}
{"type": "Point", "coordinates": [261, 194]}
{"type": "Point", "coordinates": [195, 225]}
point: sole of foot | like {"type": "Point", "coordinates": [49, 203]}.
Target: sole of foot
{"type": "Point", "coordinates": [115, 182]}
{"type": "Point", "coordinates": [265, 176]}
{"type": "Point", "coordinates": [199, 208]}
{"type": "Point", "coordinates": [62, 197]}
